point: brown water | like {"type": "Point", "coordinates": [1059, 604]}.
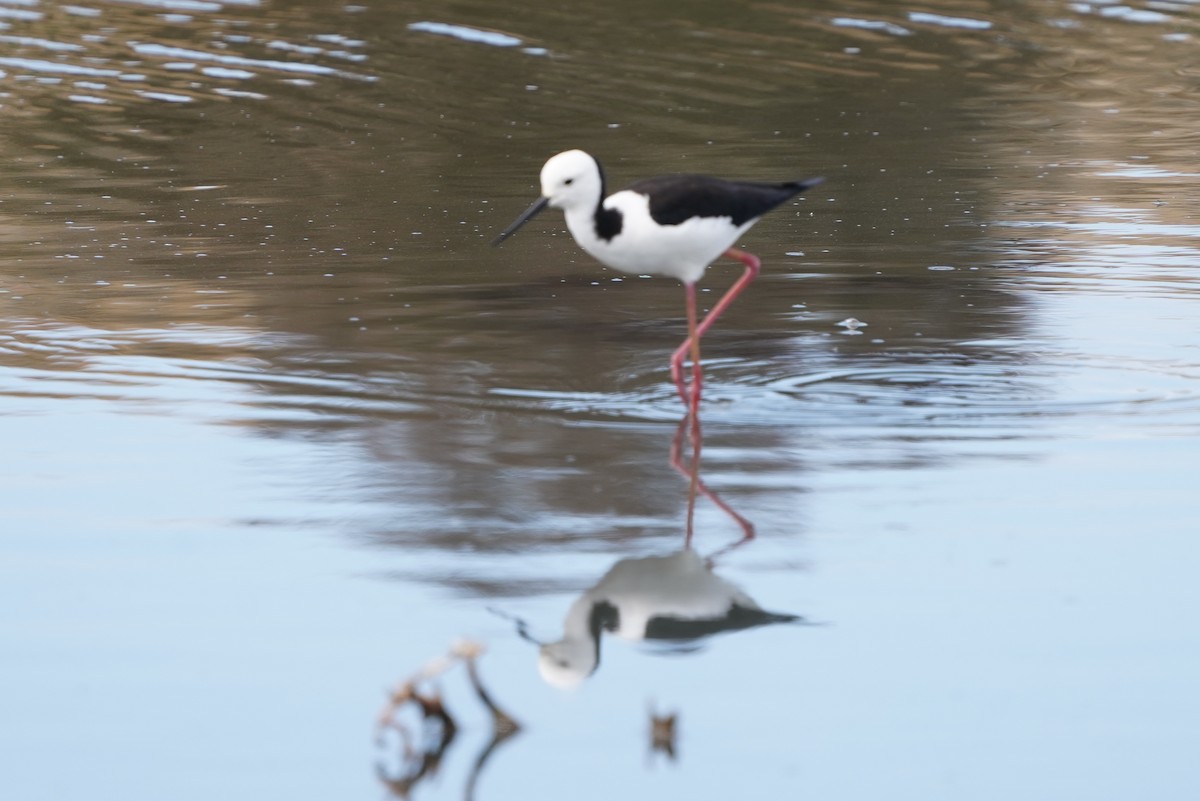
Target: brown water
{"type": "Point", "coordinates": [280, 425]}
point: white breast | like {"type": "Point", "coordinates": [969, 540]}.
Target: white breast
{"type": "Point", "coordinates": [644, 247]}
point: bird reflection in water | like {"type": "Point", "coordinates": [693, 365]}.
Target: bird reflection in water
{"type": "Point", "coordinates": [674, 598]}
{"type": "Point", "coordinates": [696, 486]}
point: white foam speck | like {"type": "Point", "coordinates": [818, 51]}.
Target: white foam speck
{"type": "Point", "coordinates": [466, 34]}
{"type": "Point", "coordinates": [871, 25]}
{"type": "Point", "coordinates": [240, 93]}
{"type": "Point", "coordinates": [949, 22]}
{"type": "Point", "coordinates": [225, 72]}
{"type": "Point", "coordinates": [166, 97]}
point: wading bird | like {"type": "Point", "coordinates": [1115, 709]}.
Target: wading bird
{"type": "Point", "coordinates": [672, 225]}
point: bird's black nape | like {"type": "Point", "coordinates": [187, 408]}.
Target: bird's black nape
{"type": "Point", "coordinates": [608, 222]}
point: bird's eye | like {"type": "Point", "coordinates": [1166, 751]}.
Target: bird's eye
{"type": "Point", "coordinates": [569, 181]}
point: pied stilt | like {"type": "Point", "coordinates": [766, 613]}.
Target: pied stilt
{"type": "Point", "coordinates": [672, 225]}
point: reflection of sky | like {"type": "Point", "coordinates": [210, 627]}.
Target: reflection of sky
{"type": "Point", "coordinates": [220, 544]}
{"type": "Point", "coordinates": [1112, 286]}
{"type": "Point", "coordinates": [1023, 609]}
{"type": "Point", "coordinates": [999, 614]}
{"type": "Point", "coordinates": [1008, 611]}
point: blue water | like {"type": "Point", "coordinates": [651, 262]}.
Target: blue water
{"type": "Point", "coordinates": [281, 429]}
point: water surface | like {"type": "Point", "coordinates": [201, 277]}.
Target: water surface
{"type": "Point", "coordinates": [281, 427]}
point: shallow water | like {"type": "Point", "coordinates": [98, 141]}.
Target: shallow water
{"type": "Point", "coordinates": [281, 427]}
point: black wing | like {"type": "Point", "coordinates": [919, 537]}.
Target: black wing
{"type": "Point", "coordinates": [736, 619]}
{"type": "Point", "coordinates": [677, 198]}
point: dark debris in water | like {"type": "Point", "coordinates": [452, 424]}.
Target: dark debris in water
{"type": "Point", "coordinates": [421, 756]}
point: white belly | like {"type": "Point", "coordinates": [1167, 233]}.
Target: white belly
{"type": "Point", "coordinates": [645, 248]}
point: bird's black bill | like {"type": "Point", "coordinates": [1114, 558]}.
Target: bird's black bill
{"type": "Point", "coordinates": [522, 626]}
{"type": "Point", "coordinates": [525, 217]}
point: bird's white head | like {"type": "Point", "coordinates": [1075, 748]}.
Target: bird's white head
{"type": "Point", "coordinates": [566, 663]}
{"type": "Point", "coordinates": [571, 180]}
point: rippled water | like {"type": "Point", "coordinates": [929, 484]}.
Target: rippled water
{"type": "Point", "coordinates": [281, 426]}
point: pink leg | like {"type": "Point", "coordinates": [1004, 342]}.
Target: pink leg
{"type": "Point", "coordinates": [691, 345]}
{"type": "Point", "coordinates": [696, 486]}
{"type": "Point", "coordinates": [689, 296]}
